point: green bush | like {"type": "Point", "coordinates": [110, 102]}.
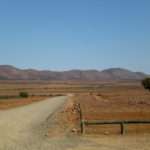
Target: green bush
{"type": "Point", "coordinates": [146, 83]}
{"type": "Point", "coordinates": [24, 94]}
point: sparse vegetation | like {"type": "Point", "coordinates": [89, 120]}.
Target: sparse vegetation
{"type": "Point", "coordinates": [24, 94]}
{"type": "Point", "coordinates": [115, 103]}
{"type": "Point", "coordinates": [146, 83]}
{"type": "Point", "coordinates": [112, 101]}
{"type": "Point", "coordinates": [8, 97]}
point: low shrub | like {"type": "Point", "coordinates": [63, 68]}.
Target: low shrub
{"type": "Point", "coordinates": [146, 83]}
{"type": "Point", "coordinates": [24, 94]}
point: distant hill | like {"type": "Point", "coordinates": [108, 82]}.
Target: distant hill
{"type": "Point", "coordinates": [8, 72]}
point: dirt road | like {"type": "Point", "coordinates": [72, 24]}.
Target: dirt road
{"type": "Point", "coordinates": [24, 128]}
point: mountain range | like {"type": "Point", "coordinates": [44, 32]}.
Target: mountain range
{"type": "Point", "coordinates": [8, 72]}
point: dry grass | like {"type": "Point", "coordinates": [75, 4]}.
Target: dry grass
{"type": "Point", "coordinates": [15, 102]}
{"type": "Point", "coordinates": [116, 103]}
{"type": "Point", "coordinates": [13, 88]}
{"type": "Point", "coordinates": [103, 101]}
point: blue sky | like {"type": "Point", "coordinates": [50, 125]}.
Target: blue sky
{"type": "Point", "coordinates": [75, 34]}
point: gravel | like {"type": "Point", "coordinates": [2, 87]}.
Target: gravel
{"type": "Point", "coordinates": [22, 128]}
{"type": "Point", "coordinates": [25, 128]}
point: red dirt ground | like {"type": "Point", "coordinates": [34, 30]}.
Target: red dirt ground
{"type": "Point", "coordinates": [116, 103]}
{"type": "Point", "coordinates": [15, 102]}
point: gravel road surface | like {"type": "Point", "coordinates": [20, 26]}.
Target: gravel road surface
{"type": "Point", "coordinates": [24, 128]}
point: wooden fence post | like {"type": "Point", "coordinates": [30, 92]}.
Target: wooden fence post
{"type": "Point", "coordinates": [81, 120]}
{"type": "Point", "coordinates": [122, 128]}
{"type": "Point", "coordinates": [82, 126]}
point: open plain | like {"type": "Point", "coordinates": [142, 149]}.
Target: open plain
{"type": "Point", "coordinates": [30, 126]}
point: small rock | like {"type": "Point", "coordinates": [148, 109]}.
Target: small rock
{"type": "Point", "coordinates": [106, 133]}
{"type": "Point", "coordinates": [74, 130]}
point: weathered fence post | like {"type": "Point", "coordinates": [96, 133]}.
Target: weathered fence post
{"type": "Point", "coordinates": [122, 128]}
{"type": "Point", "coordinates": [82, 126]}
{"type": "Point", "coordinates": [81, 120]}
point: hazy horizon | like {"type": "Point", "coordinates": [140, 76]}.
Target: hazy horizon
{"type": "Point", "coordinates": [82, 34]}
{"type": "Point", "coordinates": [59, 70]}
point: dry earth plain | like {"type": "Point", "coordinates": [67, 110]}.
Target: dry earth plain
{"type": "Point", "coordinates": [29, 127]}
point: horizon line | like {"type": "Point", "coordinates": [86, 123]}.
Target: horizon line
{"type": "Point", "coordinates": [73, 69]}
